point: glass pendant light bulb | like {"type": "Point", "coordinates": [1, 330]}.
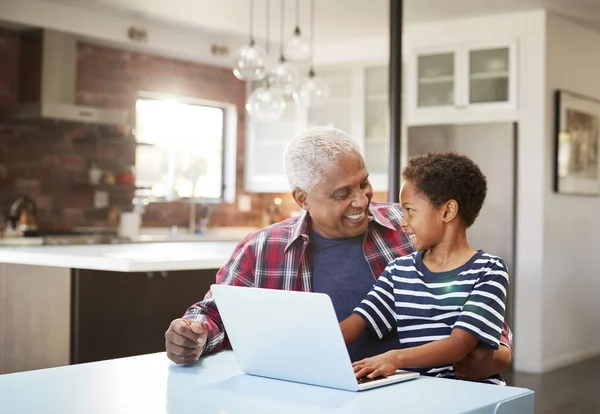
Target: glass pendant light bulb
{"type": "Point", "coordinates": [250, 62]}
{"type": "Point", "coordinates": [313, 91]}
{"type": "Point", "coordinates": [285, 77]}
{"type": "Point", "coordinates": [297, 48]}
{"type": "Point", "coordinates": [266, 104]}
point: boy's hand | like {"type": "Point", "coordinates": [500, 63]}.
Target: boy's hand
{"type": "Point", "coordinates": [381, 365]}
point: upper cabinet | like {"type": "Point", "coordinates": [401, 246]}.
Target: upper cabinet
{"type": "Point", "coordinates": [452, 83]}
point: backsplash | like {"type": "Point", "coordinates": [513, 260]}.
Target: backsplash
{"type": "Point", "coordinates": [49, 161]}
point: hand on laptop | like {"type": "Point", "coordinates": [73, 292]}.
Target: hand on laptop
{"type": "Point", "coordinates": [185, 340]}
{"type": "Point", "coordinates": [381, 365]}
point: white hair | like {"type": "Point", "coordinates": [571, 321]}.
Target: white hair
{"type": "Point", "coordinates": [312, 154]}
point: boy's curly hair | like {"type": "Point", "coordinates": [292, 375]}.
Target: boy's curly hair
{"type": "Point", "coordinates": [444, 176]}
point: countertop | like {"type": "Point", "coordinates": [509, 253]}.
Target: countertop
{"type": "Point", "coordinates": [150, 384]}
{"type": "Point", "coordinates": [131, 257]}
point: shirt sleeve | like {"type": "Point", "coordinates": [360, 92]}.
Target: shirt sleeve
{"type": "Point", "coordinates": [238, 271]}
{"type": "Point", "coordinates": [377, 309]}
{"type": "Point", "coordinates": [483, 313]}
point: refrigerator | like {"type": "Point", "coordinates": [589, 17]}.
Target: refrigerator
{"type": "Point", "coordinates": [494, 148]}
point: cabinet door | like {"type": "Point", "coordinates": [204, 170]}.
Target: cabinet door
{"type": "Point", "coordinates": [171, 294]}
{"type": "Point", "coordinates": [111, 312]}
{"type": "Point", "coordinates": [435, 79]}
{"type": "Point", "coordinates": [338, 110]}
{"type": "Point", "coordinates": [117, 314]}
{"type": "Point", "coordinates": [491, 71]}
{"type": "Point", "coordinates": [265, 144]}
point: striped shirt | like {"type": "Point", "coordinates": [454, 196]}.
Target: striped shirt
{"type": "Point", "coordinates": [423, 306]}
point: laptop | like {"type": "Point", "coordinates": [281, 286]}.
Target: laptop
{"type": "Point", "coordinates": [292, 336]}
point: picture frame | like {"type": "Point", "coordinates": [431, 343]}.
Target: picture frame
{"type": "Point", "coordinates": [577, 144]}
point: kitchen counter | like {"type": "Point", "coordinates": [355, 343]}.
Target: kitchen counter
{"type": "Point", "coordinates": [131, 257]}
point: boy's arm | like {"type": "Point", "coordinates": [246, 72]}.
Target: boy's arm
{"type": "Point", "coordinates": [352, 327]}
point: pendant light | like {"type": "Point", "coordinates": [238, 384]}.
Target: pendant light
{"type": "Point", "coordinates": [250, 59]}
{"type": "Point", "coordinates": [285, 76]}
{"type": "Point", "coordinates": [297, 49]}
{"type": "Point", "coordinates": [266, 104]}
{"type": "Point", "coordinates": [313, 90]}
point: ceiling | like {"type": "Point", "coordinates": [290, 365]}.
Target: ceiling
{"type": "Point", "coordinates": [335, 19]}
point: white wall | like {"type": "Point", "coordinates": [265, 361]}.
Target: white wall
{"type": "Point", "coordinates": [571, 287]}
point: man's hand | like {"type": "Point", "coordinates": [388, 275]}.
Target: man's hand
{"type": "Point", "coordinates": [185, 341]}
{"type": "Point", "coordinates": [380, 365]}
{"type": "Point", "coordinates": [483, 362]}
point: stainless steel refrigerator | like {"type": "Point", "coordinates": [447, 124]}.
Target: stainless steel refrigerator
{"type": "Point", "coordinates": [493, 148]}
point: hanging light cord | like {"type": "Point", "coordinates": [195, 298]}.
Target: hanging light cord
{"type": "Point", "coordinates": [312, 38]}
{"type": "Point", "coordinates": [251, 22]}
{"type": "Point", "coordinates": [281, 30]}
{"type": "Point", "coordinates": [268, 45]}
{"type": "Point", "coordinates": [297, 31]}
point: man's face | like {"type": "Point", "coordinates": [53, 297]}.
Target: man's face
{"type": "Point", "coordinates": [422, 222]}
{"type": "Point", "coordinates": [338, 206]}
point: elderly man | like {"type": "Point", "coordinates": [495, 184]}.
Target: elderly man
{"type": "Point", "coordinates": [338, 246]}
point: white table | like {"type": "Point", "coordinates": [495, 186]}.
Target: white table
{"type": "Point", "coordinates": [151, 384]}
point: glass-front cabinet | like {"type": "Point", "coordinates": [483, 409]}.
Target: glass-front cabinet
{"type": "Point", "coordinates": [462, 78]}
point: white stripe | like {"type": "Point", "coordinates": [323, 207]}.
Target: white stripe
{"type": "Point", "coordinates": [422, 326]}
{"type": "Point", "coordinates": [491, 283]}
{"type": "Point", "coordinates": [378, 312]}
{"type": "Point", "coordinates": [380, 299]}
{"type": "Point", "coordinates": [482, 319]}
{"type": "Point", "coordinates": [430, 295]}
{"type": "Point", "coordinates": [371, 321]}
{"type": "Point", "coordinates": [489, 296]}
{"type": "Point", "coordinates": [477, 330]}
{"type": "Point", "coordinates": [435, 318]}
{"type": "Point", "coordinates": [386, 281]}
{"type": "Point", "coordinates": [440, 369]}
{"type": "Point", "coordinates": [426, 306]}
{"type": "Point", "coordinates": [486, 307]}
{"type": "Point", "coordinates": [499, 273]}
{"type": "Point", "coordinates": [433, 285]}
{"type": "Point", "coordinates": [405, 340]}
{"type": "Point", "coordinates": [393, 267]}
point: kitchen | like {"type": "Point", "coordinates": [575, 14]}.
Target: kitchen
{"type": "Point", "coordinates": [79, 174]}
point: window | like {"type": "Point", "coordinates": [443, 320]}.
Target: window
{"type": "Point", "coordinates": [186, 148]}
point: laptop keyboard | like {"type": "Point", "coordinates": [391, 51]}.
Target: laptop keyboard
{"type": "Point", "coordinates": [364, 380]}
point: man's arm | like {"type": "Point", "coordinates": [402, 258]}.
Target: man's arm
{"type": "Point", "coordinates": [201, 329]}
{"type": "Point", "coordinates": [483, 362]}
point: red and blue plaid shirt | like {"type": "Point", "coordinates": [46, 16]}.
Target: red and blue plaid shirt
{"type": "Point", "coordinates": [277, 258]}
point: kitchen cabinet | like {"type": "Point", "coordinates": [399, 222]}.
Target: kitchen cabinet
{"type": "Point", "coordinates": [117, 314]}
{"type": "Point", "coordinates": [357, 103]}
{"type": "Point", "coordinates": [448, 83]}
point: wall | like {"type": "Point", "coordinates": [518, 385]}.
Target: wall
{"type": "Point", "coordinates": [571, 285]}
{"type": "Point", "coordinates": [109, 77]}
{"type": "Point", "coordinates": [9, 69]}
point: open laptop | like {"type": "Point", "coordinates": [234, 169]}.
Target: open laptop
{"type": "Point", "coordinates": [293, 336]}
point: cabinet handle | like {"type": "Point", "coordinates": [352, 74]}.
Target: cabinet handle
{"type": "Point", "coordinates": [164, 274]}
{"type": "Point", "coordinates": [150, 275]}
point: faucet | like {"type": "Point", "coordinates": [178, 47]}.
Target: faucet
{"type": "Point", "coordinates": [203, 222]}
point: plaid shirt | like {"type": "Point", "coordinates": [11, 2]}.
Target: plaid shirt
{"type": "Point", "coordinates": [277, 258]}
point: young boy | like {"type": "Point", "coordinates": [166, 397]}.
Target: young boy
{"type": "Point", "coordinates": [446, 298]}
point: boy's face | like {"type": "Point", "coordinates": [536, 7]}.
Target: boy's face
{"type": "Point", "coordinates": [422, 222]}
{"type": "Point", "coordinates": [338, 206]}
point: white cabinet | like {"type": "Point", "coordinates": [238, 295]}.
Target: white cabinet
{"type": "Point", "coordinates": [450, 84]}
{"type": "Point", "coordinates": [357, 104]}
{"type": "Point", "coordinates": [265, 143]}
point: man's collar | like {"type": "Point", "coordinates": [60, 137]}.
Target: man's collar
{"type": "Point", "coordinates": [300, 229]}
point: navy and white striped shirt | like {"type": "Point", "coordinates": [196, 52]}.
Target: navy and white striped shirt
{"type": "Point", "coordinates": [424, 306]}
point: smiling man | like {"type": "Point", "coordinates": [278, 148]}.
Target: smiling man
{"type": "Point", "coordinates": [339, 246]}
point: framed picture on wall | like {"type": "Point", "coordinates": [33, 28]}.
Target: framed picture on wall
{"type": "Point", "coordinates": [577, 135]}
